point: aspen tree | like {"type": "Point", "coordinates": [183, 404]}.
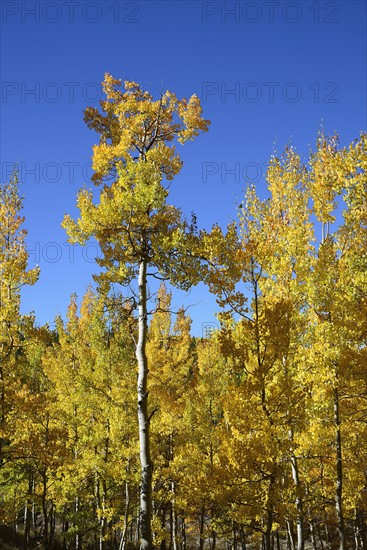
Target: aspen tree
{"type": "Point", "coordinates": [139, 232]}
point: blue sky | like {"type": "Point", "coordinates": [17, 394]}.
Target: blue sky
{"type": "Point", "coordinates": [268, 73]}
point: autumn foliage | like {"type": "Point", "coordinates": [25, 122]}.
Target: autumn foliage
{"type": "Point", "coordinates": [257, 432]}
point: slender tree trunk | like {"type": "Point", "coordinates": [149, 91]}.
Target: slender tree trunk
{"type": "Point", "coordinates": [312, 535]}
{"type": "Point", "coordinates": [174, 533]}
{"type": "Point", "coordinates": [269, 525]}
{"type": "Point", "coordinates": [2, 407]}
{"type": "Point", "coordinates": [27, 512]}
{"type": "Point", "coordinates": [143, 418]}
{"type": "Point", "coordinates": [243, 537]}
{"type": "Point", "coordinates": [45, 512]}
{"type": "Point", "coordinates": [15, 508]}
{"type": "Point", "coordinates": [270, 513]}
{"type": "Point", "coordinates": [278, 539]}
{"type": "Point", "coordinates": [96, 507]}
{"type": "Point", "coordinates": [288, 544]}
{"type": "Point", "coordinates": [299, 502]}
{"type": "Point", "coordinates": [52, 525]}
{"type": "Point", "coordinates": [362, 528]}
{"type": "Point", "coordinates": [202, 518]}
{"type": "Point", "coordinates": [65, 528]}
{"type": "Point", "coordinates": [234, 537]}
{"type": "Point", "coordinates": [33, 507]}
{"type": "Point", "coordinates": [75, 452]}
{"type": "Point", "coordinates": [327, 532]}
{"type": "Point", "coordinates": [163, 525]}
{"type": "Point", "coordinates": [357, 545]}
{"type": "Point", "coordinates": [183, 534]}
{"type": "Point", "coordinates": [100, 505]}
{"type": "Point", "coordinates": [339, 473]}
{"type": "Point", "coordinates": [320, 536]}
{"type": "Point", "coordinates": [290, 535]}
{"type": "Point", "coordinates": [137, 530]}
{"type": "Point", "coordinates": [103, 521]}
{"type": "Point", "coordinates": [26, 524]}
{"type": "Point", "coordinates": [214, 540]}
{"type": "Point", "coordinates": [126, 515]}
{"type": "Point", "coordinates": [76, 514]}
{"type": "Point", "coordinates": [174, 518]}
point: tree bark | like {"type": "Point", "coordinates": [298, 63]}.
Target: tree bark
{"type": "Point", "coordinates": [143, 418]}
{"type": "Point", "coordinates": [202, 523]}
{"type": "Point", "coordinates": [174, 518]}
{"type": "Point", "coordinates": [45, 510]}
{"type": "Point", "coordinates": [269, 513]}
{"type": "Point", "coordinates": [183, 546]}
{"type": "Point", "coordinates": [77, 541]}
{"type": "Point", "coordinates": [2, 410]}
{"type": "Point", "coordinates": [278, 539]}
{"type": "Point", "coordinates": [298, 501]}
{"type": "Point", "coordinates": [27, 512]}
{"type": "Point", "coordinates": [290, 535]}
{"type": "Point", "coordinates": [339, 473]}
{"type": "Point", "coordinates": [126, 515]}
{"type": "Point", "coordinates": [312, 535]}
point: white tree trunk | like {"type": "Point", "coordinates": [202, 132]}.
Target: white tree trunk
{"type": "Point", "coordinates": [339, 473]}
{"type": "Point", "coordinates": [143, 418]}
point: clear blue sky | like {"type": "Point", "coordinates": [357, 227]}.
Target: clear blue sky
{"type": "Point", "coordinates": [267, 72]}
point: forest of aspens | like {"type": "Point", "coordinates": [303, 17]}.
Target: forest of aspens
{"type": "Point", "coordinates": [118, 428]}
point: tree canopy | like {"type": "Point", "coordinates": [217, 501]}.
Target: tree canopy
{"type": "Point", "coordinates": [119, 428]}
